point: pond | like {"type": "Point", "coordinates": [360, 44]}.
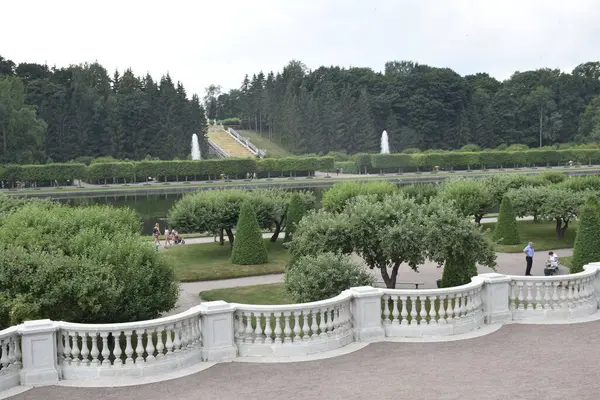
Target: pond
{"type": "Point", "coordinates": [151, 208]}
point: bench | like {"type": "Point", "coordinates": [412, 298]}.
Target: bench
{"type": "Point", "coordinates": [402, 283]}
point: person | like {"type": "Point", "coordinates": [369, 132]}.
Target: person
{"type": "Point", "coordinates": [167, 235]}
{"type": "Point", "coordinates": [553, 259]}
{"type": "Point", "coordinates": [528, 258]}
{"type": "Point", "coordinates": [156, 233]}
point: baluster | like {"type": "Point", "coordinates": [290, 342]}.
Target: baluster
{"type": "Point", "coordinates": [547, 296]}
{"type": "Point", "coordinates": [258, 331]}
{"type": "Point", "coordinates": [511, 296]}
{"type": "Point", "coordinates": [442, 310]}
{"type": "Point", "coordinates": [404, 312]}
{"type": "Point", "coordinates": [529, 296]}
{"type": "Point", "coordinates": [277, 316]}
{"type": "Point", "coordinates": [467, 308]}
{"type": "Point", "coordinates": [128, 348]}
{"type": "Point", "coordinates": [521, 299]}
{"type": "Point", "coordinates": [75, 350]}
{"type": "Point", "coordinates": [330, 317]}
{"type": "Point", "coordinates": [85, 351]}
{"type": "Point", "coordinates": [184, 334]}
{"type": "Point", "coordinates": [169, 342]}
{"type": "Point", "coordinates": [150, 333]}
{"type": "Point", "coordinates": [457, 305]}
{"type": "Point", "coordinates": [12, 352]}
{"type": "Point", "coordinates": [95, 352]}
{"type": "Point", "coordinates": [570, 286]}
{"type": "Point", "coordinates": [395, 311]}
{"type": "Point", "coordinates": [139, 347]}
{"type": "Point", "coordinates": [297, 337]}
{"type": "Point", "coordinates": [66, 347]}
{"type": "Point", "coordinates": [177, 340]}
{"type": "Point", "coordinates": [555, 297]}
{"type": "Point", "coordinates": [249, 334]}
{"type": "Point", "coordinates": [315, 325]}
{"type": "Point", "coordinates": [432, 312]}
{"type": "Point", "coordinates": [423, 312]}
{"type": "Point", "coordinates": [449, 307]}
{"type": "Point", "coordinates": [339, 319]}
{"type": "Point", "coordinates": [386, 309]}
{"type": "Point", "coordinates": [414, 301]}
{"type": "Point", "coordinates": [160, 346]}
{"type": "Point", "coordinates": [563, 294]}
{"type": "Point", "coordinates": [17, 352]}
{"type": "Point", "coordinates": [4, 351]}
{"type": "Point", "coordinates": [268, 330]}
{"type": "Point", "coordinates": [305, 329]}
{"type": "Point", "coordinates": [287, 331]}
{"type": "Point", "coordinates": [117, 350]}
{"type": "Point", "coordinates": [241, 328]}
{"type": "Point", "coordinates": [322, 323]}
{"type": "Point", "coordinates": [538, 295]}
{"type": "Point", "coordinates": [576, 293]}
{"type": "Point", "coordinates": [105, 350]}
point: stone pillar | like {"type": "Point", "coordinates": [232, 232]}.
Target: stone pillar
{"type": "Point", "coordinates": [366, 314]}
{"type": "Point", "coordinates": [596, 282]}
{"type": "Point", "coordinates": [496, 289]}
{"type": "Point", "coordinates": [38, 347]}
{"type": "Point", "coordinates": [218, 333]}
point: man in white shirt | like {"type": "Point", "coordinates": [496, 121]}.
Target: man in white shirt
{"type": "Point", "coordinates": [553, 259]}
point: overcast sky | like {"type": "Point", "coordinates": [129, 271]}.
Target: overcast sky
{"type": "Point", "coordinates": [218, 41]}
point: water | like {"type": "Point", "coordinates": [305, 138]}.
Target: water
{"type": "Point", "coordinates": [385, 143]}
{"type": "Point", "coordinates": [150, 208]}
{"type": "Point", "coordinates": [195, 148]}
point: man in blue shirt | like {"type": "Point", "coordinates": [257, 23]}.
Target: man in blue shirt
{"type": "Point", "coordinates": [528, 258]}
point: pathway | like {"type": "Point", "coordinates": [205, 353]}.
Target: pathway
{"type": "Point", "coordinates": [517, 362]}
{"type": "Point", "coordinates": [508, 263]}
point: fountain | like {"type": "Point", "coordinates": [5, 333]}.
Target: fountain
{"type": "Point", "coordinates": [195, 148]}
{"type": "Point", "coordinates": [385, 144]}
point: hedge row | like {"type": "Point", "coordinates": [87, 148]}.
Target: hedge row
{"type": "Point", "coordinates": [484, 159]}
{"type": "Point", "coordinates": [167, 170]}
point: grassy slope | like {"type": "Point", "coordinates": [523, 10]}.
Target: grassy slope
{"type": "Point", "coordinates": [542, 235]}
{"type": "Point", "coordinates": [208, 261]}
{"type": "Point", "coordinates": [272, 148]}
{"type": "Point", "coordinates": [258, 294]}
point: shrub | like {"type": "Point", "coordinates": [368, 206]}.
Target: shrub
{"type": "Point", "coordinates": [230, 121]}
{"type": "Point", "coordinates": [348, 167]}
{"type": "Point", "coordinates": [82, 265]}
{"type": "Point", "coordinates": [587, 241]}
{"type": "Point", "coordinates": [458, 273]}
{"type": "Point", "coordinates": [325, 275]}
{"type": "Point", "coordinates": [506, 231]}
{"type": "Point", "coordinates": [553, 176]}
{"type": "Point", "coordinates": [249, 247]}
{"type": "Point", "coordinates": [471, 197]}
{"type": "Point", "coordinates": [336, 197]}
{"type": "Point", "coordinates": [471, 148]}
{"type": "Point", "coordinates": [421, 192]}
{"type": "Point", "coordinates": [295, 213]}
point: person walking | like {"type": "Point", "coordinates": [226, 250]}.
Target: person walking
{"type": "Point", "coordinates": [167, 237]}
{"type": "Point", "coordinates": [528, 258]}
{"type": "Point", "coordinates": [156, 233]}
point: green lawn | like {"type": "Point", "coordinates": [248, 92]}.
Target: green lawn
{"type": "Point", "coordinates": [271, 294]}
{"type": "Point", "coordinates": [272, 148]}
{"type": "Point", "coordinates": [543, 236]}
{"type": "Point", "coordinates": [208, 261]}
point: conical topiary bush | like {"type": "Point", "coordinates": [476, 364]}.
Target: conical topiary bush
{"type": "Point", "coordinates": [248, 247]}
{"type": "Point", "coordinates": [458, 273]}
{"type": "Point", "coordinates": [294, 214]}
{"type": "Point", "coordinates": [587, 241]}
{"type": "Point", "coordinates": [506, 230]}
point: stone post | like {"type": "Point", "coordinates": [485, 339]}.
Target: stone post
{"type": "Point", "coordinates": [596, 282]}
{"type": "Point", "coordinates": [496, 289]}
{"type": "Point", "coordinates": [366, 314]}
{"type": "Point", "coordinates": [218, 333]}
{"type": "Point", "coordinates": [38, 348]}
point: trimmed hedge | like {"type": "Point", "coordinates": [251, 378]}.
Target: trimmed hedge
{"type": "Point", "coordinates": [249, 247]}
{"type": "Point", "coordinates": [506, 230]}
{"type": "Point", "coordinates": [587, 241]}
{"type": "Point", "coordinates": [43, 173]}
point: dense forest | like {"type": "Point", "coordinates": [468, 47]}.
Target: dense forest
{"type": "Point", "coordinates": [61, 114]}
{"type": "Point", "coordinates": [337, 109]}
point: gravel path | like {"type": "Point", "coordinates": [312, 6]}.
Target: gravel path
{"type": "Point", "coordinates": [518, 362]}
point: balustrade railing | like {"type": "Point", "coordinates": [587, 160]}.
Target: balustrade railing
{"type": "Point", "coordinates": [293, 329]}
{"type": "Point", "coordinates": [428, 312]}
{"type": "Point", "coordinates": [10, 358]}
{"type": "Point", "coordinates": [112, 349]}
{"type": "Point", "coordinates": [246, 143]}
{"type": "Point", "coordinates": [218, 150]}
{"type": "Point", "coordinates": [553, 297]}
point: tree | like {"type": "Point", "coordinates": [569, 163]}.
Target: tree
{"type": "Point", "coordinates": [294, 214]}
{"type": "Point", "coordinates": [470, 196]}
{"type": "Point", "coordinates": [249, 247]}
{"type": "Point", "coordinates": [560, 205]}
{"type": "Point", "coordinates": [587, 241]}
{"type": "Point", "coordinates": [337, 196]}
{"type": "Point", "coordinates": [506, 230]}
{"type": "Point", "coordinates": [392, 231]}
{"type": "Point", "coordinates": [21, 131]}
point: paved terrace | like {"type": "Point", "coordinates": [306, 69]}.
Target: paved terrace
{"type": "Point", "coordinates": [516, 362]}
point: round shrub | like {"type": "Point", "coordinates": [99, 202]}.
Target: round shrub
{"type": "Point", "coordinates": [506, 230]}
{"type": "Point", "coordinates": [325, 275]}
{"type": "Point", "coordinates": [587, 241]}
{"type": "Point", "coordinates": [249, 247]}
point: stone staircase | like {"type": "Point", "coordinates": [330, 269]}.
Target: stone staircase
{"type": "Point", "coordinates": [228, 144]}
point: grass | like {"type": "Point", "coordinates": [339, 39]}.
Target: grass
{"type": "Point", "coordinates": [272, 148]}
{"type": "Point", "coordinates": [542, 234]}
{"type": "Point", "coordinates": [271, 294]}
{"type": "Point", "coordinates": [208, 261]}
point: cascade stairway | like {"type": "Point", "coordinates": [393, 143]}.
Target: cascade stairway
{"type": "Point", "coordinates": [228, 144]}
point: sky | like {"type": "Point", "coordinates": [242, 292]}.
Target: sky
{"type": "Point", "coordinates": [205, 42]}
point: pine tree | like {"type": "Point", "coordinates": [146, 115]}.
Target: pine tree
{"type": "Point", "coordinates": [248, 247]}
{"type": "Point", "coordinates": [294, 214]}
{"type": "Point", "coordinates": [587, 241]}
{"type": "Point", "coordinates": [506, 230]}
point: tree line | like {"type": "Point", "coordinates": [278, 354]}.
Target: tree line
{"type": "Point", "coordinates": [60, 114]}
{"type": "Point", "coordinates": [420, 106]}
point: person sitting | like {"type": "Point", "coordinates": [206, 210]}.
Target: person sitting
{"type": "Point", "coordinates": [553, 259]}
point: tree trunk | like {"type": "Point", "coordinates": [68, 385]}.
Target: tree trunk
{"type": "Point", "coordinates": [390, 280]}
{"type": "Point", "coordinates": [541, 124]}
{"type": "Point", "coordinates": [229, 236]}
{"type": "Point", "coordinates": [561, 228]}
{"type": "Point", "coordinates": [277, 231]}
{"type": "Point", "coordinates": [478, 218]}
{"type": "Point", "coordinates": [221, 239]}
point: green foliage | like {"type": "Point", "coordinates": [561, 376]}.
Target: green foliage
{"type": "Point", "coordinates": [527, 201]}
{"type": "Point", "coordinates": [295, 213]}
{"type": "Point", "coordinates": [82, 265]}
{"type": "Point", "coordinates": [587, 241]}
{"type": "Point", "coordinates": [457, 274]}
{"type": "Point", "coordinates": [581, 183]}
{"type": "Point", "coordinates": [346, 167]}
{"type": "Point", "coordinates": [471, 197]}
{"type": "Point", "coordinates": [506, 230]}
{"type": "Point", "coordinates": [230, 122]}
{"type": "Point", "coordinates": [323, 276]}
{"type": "Point", "coordinates": [249, 247]}
{"type": "Point", "coordinates": [554, 176]}
{"type": "Point", "coordinates": [336, 197]}
{"type": "Point", "coordinates": [499, 185]}
{"type": "Point", "coordinates": [421, 192]}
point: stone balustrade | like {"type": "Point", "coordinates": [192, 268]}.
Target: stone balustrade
{"type": "Point", "coordinates": [43, 352]}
